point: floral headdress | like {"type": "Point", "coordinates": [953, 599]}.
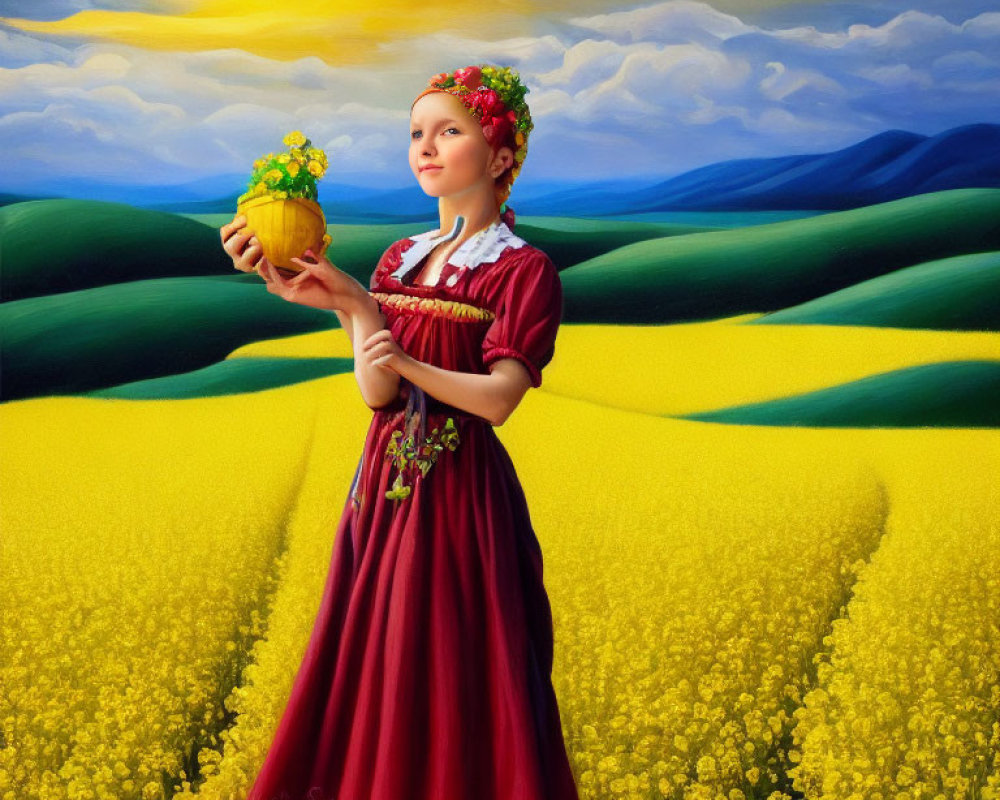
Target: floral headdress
{"type": "Point", "coordinates": [495, 97]}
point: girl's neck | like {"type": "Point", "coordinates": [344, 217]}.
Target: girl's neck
{"type": "Point", "coordinates": [478, 216]}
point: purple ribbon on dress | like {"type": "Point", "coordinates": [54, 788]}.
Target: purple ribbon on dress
{"type": "Point", "coordinates": [416, 404]}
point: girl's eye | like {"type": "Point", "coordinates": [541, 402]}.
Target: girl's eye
{"type": "Point", "coordinates": [416, 134]}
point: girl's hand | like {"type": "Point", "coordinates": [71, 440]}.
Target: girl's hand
{"type": "Point", "coordinates": [381, 350]}
{"type": "Point", "coordinates": [240, 245]}
{"type": "Point", "coordinates": [320, 284]}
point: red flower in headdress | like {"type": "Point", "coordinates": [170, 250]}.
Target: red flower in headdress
{"type": "Point", "coordinates": [470, 77]}
{"type": "Point", "coordinates": [485, 102]}
{"type": "Point", "coordinates": [496, 119]}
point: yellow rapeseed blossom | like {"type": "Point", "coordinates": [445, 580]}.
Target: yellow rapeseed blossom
{"type": "Point", "coordinates": [737, 609]}
{"type": "Point", "coordinates": [138, 554]}
{"type": "Point", "coordinates": [907, 696]}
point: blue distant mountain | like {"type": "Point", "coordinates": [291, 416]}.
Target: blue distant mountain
{"type": "Point", "coordinates": [888, 166]}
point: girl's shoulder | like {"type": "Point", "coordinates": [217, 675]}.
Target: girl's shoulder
{"type": "Point", "coordinates": [525, 274]}
{"type": "Point", "coordinates": [527, 258]}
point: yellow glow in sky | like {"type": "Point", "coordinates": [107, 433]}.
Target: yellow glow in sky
{"type": "Point", "coordinates": [347, 32]}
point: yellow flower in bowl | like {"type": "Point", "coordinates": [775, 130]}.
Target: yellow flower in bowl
{"type": "Point", "coordinates": [280, 203]}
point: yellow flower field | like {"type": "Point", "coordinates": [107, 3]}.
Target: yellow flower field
{"type": "Point", "coordinates": [740, 611]}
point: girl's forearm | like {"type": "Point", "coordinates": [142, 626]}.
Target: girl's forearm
{"type": "Point", "coordinates": [346, 323]}
{"type": "Point", "coordinates": [379, 386]}
{"type": "Point", "coordinates": [483, 395]}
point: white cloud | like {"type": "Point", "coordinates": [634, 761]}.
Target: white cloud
{"type": "Point", "coordinates": [896, 76]}
{"type": "Point", "coordinates": [670, 22]}
{"type": "Point", "coordinates": [626, 92]}
{"type": "Point", "coordinates": [585, 63]}
{"type": "Point", "coordinates": [783, 82]}
{"type": "Point", "coordinates": [18, 49]}
{"type": "Point", "coordinates": [708, 112]}
{"type": "Point", "coordinates": [985, 26]}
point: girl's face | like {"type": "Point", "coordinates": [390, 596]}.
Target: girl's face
{"type": "Point", "coordinates": [449, 154]}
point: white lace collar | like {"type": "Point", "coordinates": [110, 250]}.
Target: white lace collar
{"type": "Point", "coordinates": [483, 247]}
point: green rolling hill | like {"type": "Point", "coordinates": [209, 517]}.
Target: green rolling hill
{"type": "Point", "coordinates": [960, 394]}
{"type": "Point", "coordinates": [141, 335]}
{"type": "Point", "coordinates": [769, 267]}
{"type": "Point", "coordinates": [958, 293]}
{"type": "Point", "coordinates": [233, 376]}
{"type": "Point", "coordinates": [52, 246]}
{"type": "Point", "coordinates": [97, 338]}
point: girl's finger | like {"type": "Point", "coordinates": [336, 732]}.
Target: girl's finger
{"type": "Point", "coordinates": [306, 270]}
{"type": "Point", "coordinates": [306, 265]}
{"type": "Point", "coordinates": [374, 339]}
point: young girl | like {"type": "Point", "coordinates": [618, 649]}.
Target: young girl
{"type": "Point", "coordinates": [428, 672]}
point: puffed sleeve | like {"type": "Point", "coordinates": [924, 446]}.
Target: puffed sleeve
{"type": "Point", "coordinates": [388, 262]}
{"type": "Point", "coordinates": [527, 315]}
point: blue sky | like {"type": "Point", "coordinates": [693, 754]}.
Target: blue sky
{"type": "Point", "coordinates": [647, 90]}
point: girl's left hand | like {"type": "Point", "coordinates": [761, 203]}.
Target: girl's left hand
{"type": "Point", "coordinates": [381, 350]}
{"type": "Point", "coordinates": [320, 284]}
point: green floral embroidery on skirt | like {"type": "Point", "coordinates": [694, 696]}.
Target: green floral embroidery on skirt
{"type": "Point", "coordinates": [415, 451]}
{"type": "Point", "coordinates": [406, 455]}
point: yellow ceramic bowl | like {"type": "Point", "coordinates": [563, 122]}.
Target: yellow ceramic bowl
{"type": "Point", "coordinates": [286, 228]}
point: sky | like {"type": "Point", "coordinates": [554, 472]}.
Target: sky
{"type": "Point", "coordinates": [165, 92]}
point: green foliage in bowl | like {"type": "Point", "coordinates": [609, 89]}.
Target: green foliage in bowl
{"type": "Point", "coordinates": [286, 175]}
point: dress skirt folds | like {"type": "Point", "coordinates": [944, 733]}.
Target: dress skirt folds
{"type": "Point", "coordinates": [427, 675]}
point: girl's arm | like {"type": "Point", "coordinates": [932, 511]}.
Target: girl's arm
{"type": "Point", "coordinates": [346, 323]}
{"type": "Point", "coordinates": [493, 397]}
{"type": "Point", "coordinates": [379, 386]}
{"type": "Point", "coordinates": [322, 285]}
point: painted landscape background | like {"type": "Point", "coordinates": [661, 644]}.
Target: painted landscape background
{"type": "Point", "coordinates": [762, 464]}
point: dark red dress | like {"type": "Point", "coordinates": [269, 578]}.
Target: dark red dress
{"type": "Point", "coordinates": [428, 672]}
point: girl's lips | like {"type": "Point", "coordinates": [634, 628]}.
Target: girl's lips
{"type": "Point", "coordinates": [425, 169]}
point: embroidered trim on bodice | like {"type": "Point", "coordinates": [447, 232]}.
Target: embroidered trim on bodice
{"type": "Point", "coordinates": [436, 307]}
{"type": "Point", "coordinates": [483, 247]}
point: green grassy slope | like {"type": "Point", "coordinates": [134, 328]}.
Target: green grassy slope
{"type": "Point", "coordinates": [98, 338]}
{"type": "Point", "coordinates": [769, 267]}
{"type": "Point", "coordinates": [234, 376]}
{"type": "Point", "coordinates": [947, 394]}
{"type": "Point", "coordinates": [958, 293]}
{"type": "Point", "coordinates": [357, 248]}
{"type": "Point", "coordinates": [52, 246]}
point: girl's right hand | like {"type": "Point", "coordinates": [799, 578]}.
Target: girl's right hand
{"type": "Point", "coordinates": [241, 246]}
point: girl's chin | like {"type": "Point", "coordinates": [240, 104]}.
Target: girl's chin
{"type": "Point", "coordinates": [431, 186]}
